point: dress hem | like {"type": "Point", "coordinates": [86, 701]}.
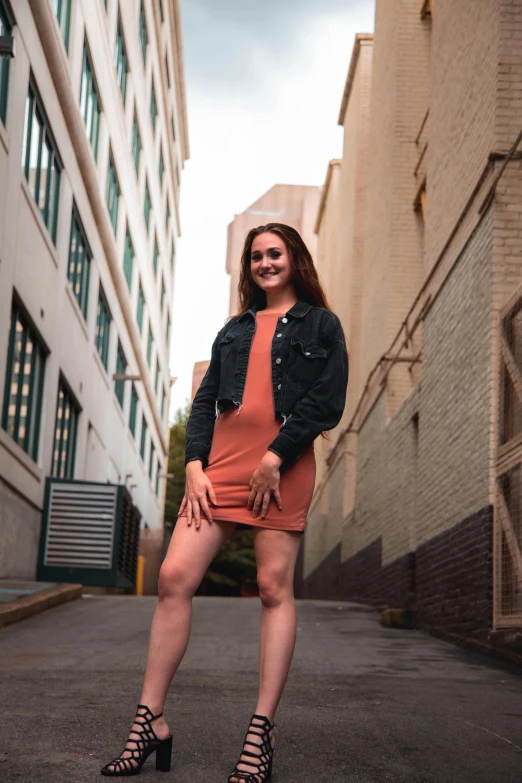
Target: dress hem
{"type": "Point", "coordinates": [253, 523]}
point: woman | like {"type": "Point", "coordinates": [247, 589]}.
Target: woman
{"type": "Point", "coordinates": [282, 356]}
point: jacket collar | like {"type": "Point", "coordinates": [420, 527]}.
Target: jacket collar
{"type": "Point", "coordinates": [298, 310]}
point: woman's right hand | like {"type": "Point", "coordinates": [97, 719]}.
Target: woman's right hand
{"type": "Point", "coordinates": [197, 486]}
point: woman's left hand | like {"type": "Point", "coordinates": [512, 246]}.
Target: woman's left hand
{"type": "Point", "coordinates": [264, 481]}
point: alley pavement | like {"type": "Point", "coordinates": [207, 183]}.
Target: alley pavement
{"type": "Point", "coordinates": [363, 703]}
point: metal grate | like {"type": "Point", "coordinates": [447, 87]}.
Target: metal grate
{"type": "Point", "coordinates": [80, 530]}
{"type": "Point", "coordinates": [507, 541]}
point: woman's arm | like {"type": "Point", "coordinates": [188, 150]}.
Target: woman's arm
{"type": "Point", "coordinates": [322, 406]}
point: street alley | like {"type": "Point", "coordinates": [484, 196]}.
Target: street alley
{"type": "Point", "coordinates": [363, 703]}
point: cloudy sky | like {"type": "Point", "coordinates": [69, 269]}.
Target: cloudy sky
{"type": "Point", "coordinates": [264, 82]}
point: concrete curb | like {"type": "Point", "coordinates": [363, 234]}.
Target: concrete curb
{"type": "Point", "coordinates": [38, 602]}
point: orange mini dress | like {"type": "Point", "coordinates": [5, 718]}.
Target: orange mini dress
{"type": "Point", "coordinates": [241, 437]}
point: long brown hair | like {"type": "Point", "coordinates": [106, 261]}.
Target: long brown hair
{"type": "Point", "coordinates": [305, 279]}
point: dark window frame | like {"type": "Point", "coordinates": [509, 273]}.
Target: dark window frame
{"type": "Point", "coordinates": [79, 279]}
{"type": "Point", "coordinates": [64, 468]}
{"type": "Point", "coordinates": [29, 442]}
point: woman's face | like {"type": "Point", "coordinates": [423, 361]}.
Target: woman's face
{"type": "Point", "coordinates": [270, 263]}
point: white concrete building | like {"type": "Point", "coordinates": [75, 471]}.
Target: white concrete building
{"type": "Point", "coordinates": [93, 135]}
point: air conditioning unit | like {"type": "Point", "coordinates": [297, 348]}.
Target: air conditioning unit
{"type": "Point", "coordinates": [90, 534]}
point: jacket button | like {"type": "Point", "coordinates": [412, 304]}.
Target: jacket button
{"type": "Point", "coordinates": [278, 385]}
{"type": "Point", "coordinates": [284, 320]}
{"type": "Point", "coordinates": [279, 335]}
{"type": "Point", "coordinates": [278, 361]}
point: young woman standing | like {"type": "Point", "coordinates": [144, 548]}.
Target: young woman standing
{"type": "Point", "coordinates": [282, 356]}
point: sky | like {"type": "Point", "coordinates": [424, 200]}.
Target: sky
{"type": "Point", "coordinates": [264, 83]}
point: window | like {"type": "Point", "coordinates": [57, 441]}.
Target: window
{"type": "Point", "coordinates": [167, 332]}
{"type": "Point", "coordinates": [133, 411]}
{"type": "Point", "coordinates": [173, 128]}
{"type": "Point", "coordinates": [120, 60]}
{"type": "Point", "coordinates": [40, 162]}
{"type": "Point", "coordinates": [113, 194]}
{"type": "Point", "coordinates": [156, 382]}
{"type": "Point", "coordinates": [162, 16]}
{"type": "Point", "coordinates": [163, 400]}
{"type": "Point", "coordinates": [140, 307]}
{"type": "Point", "coordinates": [90, 106]}
{"type": "Point", "coordinates": [5, 29]}
{"type": "Point", "coordinates": [163, 292]}
{"type": "Point", "coordinates": [146, 205]}
{"type": "Point", "coordinates": [158, 469]}
{"type": "Point", "coordinates": [79, 267]}
{"type": "Point", "coordinates": [151, 459]}
{"type": "Point", "coordinates": [128, 259]}
{"type": "Point", "coordinates": [153, 107]}
{"type": "Point", "coordinates": [155, 257]}
{"type": "Point", "coordinates": [167, 217]}
{"type": "Point", "coordinates": [103, 328]}
{"type": "Point", "coordinates": [149, 345]}
{"type": "Point", "coordinates": [121, 368]}
{"type": "Point", "coordinates": [161, 168]}
{"type": "Point", "coordinates": [62, 9]}
{"type": "Point", "coordinates": [143, 443]}
{"type": "Point", "coordinates": [136, 143]}
{"type": "Point", "coordinates": [143, 32]}
{"type": "Point", "coordinates": [23, 384]}
{"type": "Point", "coordinates": [65, 429]}
{"type": "Point", "coordinates": [173, 259]}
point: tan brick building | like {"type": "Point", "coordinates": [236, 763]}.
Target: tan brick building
{"type": "Point", "coordinates": [417, 502]}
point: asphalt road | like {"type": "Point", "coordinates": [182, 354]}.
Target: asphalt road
{"type": "Point", "coordinates": [363, 703]}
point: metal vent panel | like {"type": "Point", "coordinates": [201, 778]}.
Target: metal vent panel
{"type": "Point", "coordinates": [80, 531]}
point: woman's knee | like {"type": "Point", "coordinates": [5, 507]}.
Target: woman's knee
{"type": "Point", "coordinates": [273, 587]}
{"type": "Point", "coordinates": [175, 581]}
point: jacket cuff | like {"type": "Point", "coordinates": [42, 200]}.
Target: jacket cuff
{"type": "Point", "coordinates": [197, 451]}
{"type": "Point", "coordinates": [285, 448]}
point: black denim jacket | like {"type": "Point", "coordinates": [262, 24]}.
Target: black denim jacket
{"type": "Point", "coordinates": [309, 379]}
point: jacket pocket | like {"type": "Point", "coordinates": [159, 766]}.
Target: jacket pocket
{"type": "Point", "coordinates": [225, 344]}
{"type": "Point", "coordinates": [305, 362]}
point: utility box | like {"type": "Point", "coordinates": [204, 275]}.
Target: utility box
{"type": "Point", "coordinates": [90, 534]}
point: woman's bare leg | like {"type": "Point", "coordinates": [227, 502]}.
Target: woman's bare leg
{"type": "Point", "coordinates": [276, 555]}
{"type": "Point", "coordinates": [190, 552]}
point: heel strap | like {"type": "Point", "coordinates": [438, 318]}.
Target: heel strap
{"type": "Point", "coordinates": [149, 712]}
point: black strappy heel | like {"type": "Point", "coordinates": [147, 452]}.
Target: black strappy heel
{"type": "Point", "coordinates": [262, 760]}
{"type": "Point", "coordinates": [146, 743]}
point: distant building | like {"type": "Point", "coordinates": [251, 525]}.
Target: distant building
{"type": "Point", "coordinates": [93, 136]}
{"type": "Point", "coordinates": [200, 369]}
{"type": "Point", "coordinates": [295, 205]}
{"type": "Point", "coordinates": [418, 501]}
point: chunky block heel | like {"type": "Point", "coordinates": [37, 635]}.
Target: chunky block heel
{"type": "Point", "coordinates": [163, 755]}
{"type": "Point", "coordinates": [141, 748]}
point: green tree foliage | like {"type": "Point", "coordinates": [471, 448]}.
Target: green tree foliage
{"type": "Point", "coordinates": [176, 485]}
{"type": "Point", "coordinates": [233, 571]}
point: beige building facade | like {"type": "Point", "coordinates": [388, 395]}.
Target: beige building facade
{"type": "Point", "coordinates": [93, 137]}
{"type": "Point", "coordinates": [295, 205]}
{"type": "Point", "coordinates": [417, 503]}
